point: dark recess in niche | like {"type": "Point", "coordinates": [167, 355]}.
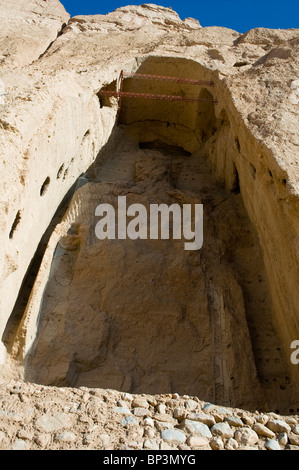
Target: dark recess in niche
{"type": "Point", "coordinates": [15, 224]}
{"type": "Point", "coordinates": [253, 171]}
{"type": "Point", "coordinates": [163, 147]}
{"type": "Point", "coordinates": [238, 144]}
{"type": "Point", "coordinates": [44, 186]}
{"type": "Point", "coordinates": [236, 182]}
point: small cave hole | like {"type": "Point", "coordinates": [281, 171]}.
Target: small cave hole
{"type": "Point", "coordinates": [105, 99]}
{"type": "Point", "coordinates": [241, 64]}
{"type": "Point", "coordinates": [60, 171]}
{"type": "Point", "coordinates": [15, 225]}
{"type": "Point", "coordinates": [65, 174]}
{"type": "Point", "coordinates": [44, 186]}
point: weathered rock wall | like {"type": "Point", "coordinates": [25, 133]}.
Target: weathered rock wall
{"type": "Point", "coordinates": [28, 27]}
{"type": "Point", "coordinates": [53, 125]}
{"type": "Point", "coordinates": [52, 147]}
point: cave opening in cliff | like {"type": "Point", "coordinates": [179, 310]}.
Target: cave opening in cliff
{"type": "Point", "coordinates": [147, 316]}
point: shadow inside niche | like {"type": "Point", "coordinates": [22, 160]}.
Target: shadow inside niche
{"type": "Point", "coordinates": [146, 316]}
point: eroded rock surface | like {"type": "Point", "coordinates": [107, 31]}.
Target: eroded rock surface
{"type": "Point", "coordinates": [154, 313]}
{"type": "Point", "coordinates": [28, 27]}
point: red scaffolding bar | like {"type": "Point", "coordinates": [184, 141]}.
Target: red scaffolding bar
{"type": "Point", "coordinates": [187, 81]}
{"type": "Point", "coordinates": [119, 93]}
{"type": "Point", "coordinates": [151, 96]}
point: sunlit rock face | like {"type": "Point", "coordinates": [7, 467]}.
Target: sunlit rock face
{"type": "Point", "coordinates": [147, 316]}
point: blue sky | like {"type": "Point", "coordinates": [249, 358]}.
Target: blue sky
{"type": "Point", "coordinates": [234, 14]}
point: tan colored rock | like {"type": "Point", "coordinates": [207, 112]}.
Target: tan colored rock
{"type": "Point", "coordinates": [262, 419]}
{"type": "Point", "coordinates": [140, 402]}
{"type": "Point", "coordinates": [283, 439]}
{"type": "Point", "coordinates": [293, 438]}
{"type": "Point", "coordinates": [141, 412]}
{"type": "Point", "coordinates": [164, 418]}
{"type": "Point", "coordinates": [291, 447]}
{"type": "Point", "coordinates": [246, 436]}
{"type": "Point", "coordinates": [161, 409]}
{"type": "Point", "coordinates": [278, 425]}
{"type": "Point", "coordinates": [223, 430]}
{"type": "Point", "coordinates": [180, 413]}
{"type": "Point", "coordinates": [249, 420]}
{"type": "Point", "coordinates": [219, 418]}
{"type": "Point", "coordinates": [231, 444]}
{"type": "Point", "coordinates": [28, 28]}
{"type": "Point", "coordinates": [262, 430]}
{"type": "Point", "coordinates": [217, 444]}
{"type": "Point", "coordinates": [208, 46]}
{"type": "Point", "coordinates": [209, 420]}
{"type": "Point", "coordinates": [197, 441]}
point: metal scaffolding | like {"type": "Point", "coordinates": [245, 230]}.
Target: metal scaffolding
{"type": "Point", "coordinates": [119, 93]}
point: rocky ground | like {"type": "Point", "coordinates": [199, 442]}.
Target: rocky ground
{"type": "Point", "coordinates": [36, 417]}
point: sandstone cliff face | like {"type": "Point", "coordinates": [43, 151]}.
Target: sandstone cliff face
{"type": "Point", "coordinates": [28, 27]}
{"type": "Point", "coordinates": [238, 298]}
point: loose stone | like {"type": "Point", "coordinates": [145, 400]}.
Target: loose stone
{"type": "Point", "coordinates": [149, 422]}
{"type": "Point", "coordinates": [278, 425]}
{"type": "Point", "coordinates": [234, 421]}
{"type": "Point", "coordinates": [66, 436]}
{"type": "Point", "coordinates": [180, 414]}
{"type": "Point", "coordinates": [246, 436]}
{"type": "Point", "coordinates": [173, 436]}
{"type": "Point", "coordinates": [161, 409]}
{"type": "Point", "coordinates": [223, 430]}
{"type": "Point", "coordinates": [140, 402]}
{"type": "Point", "coordinates": [122, 410]}
{"type": "Point", "coordinates": [197, 428]}
{"type": "Point", "coordinates": [191, 405]}
{"type": "Point", "coordinates": [295, 429]}
{"type": "Point", "coordinates": [282, 439]}
{"type": "Point", "coordinates": [231, 444]}
{"type": "Point", "coordinates": [217, 444]}
{"type": "Point", "coordinates": [203, 418]}
{"type": "Point", "coordinates": [293, 438]}
{"type": "Point", "coordinates": [197, 441]}
{"type": "Point", "coordinates": [151, 444]}
{"type": "Point", "coordinates": [262, 430]}
{"type": "Point", "coordinates": [140, 412]}
{"type": "Point", "coordinates": [272, 444]}
{"type": "Point", "coordinates": [128, 420]}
